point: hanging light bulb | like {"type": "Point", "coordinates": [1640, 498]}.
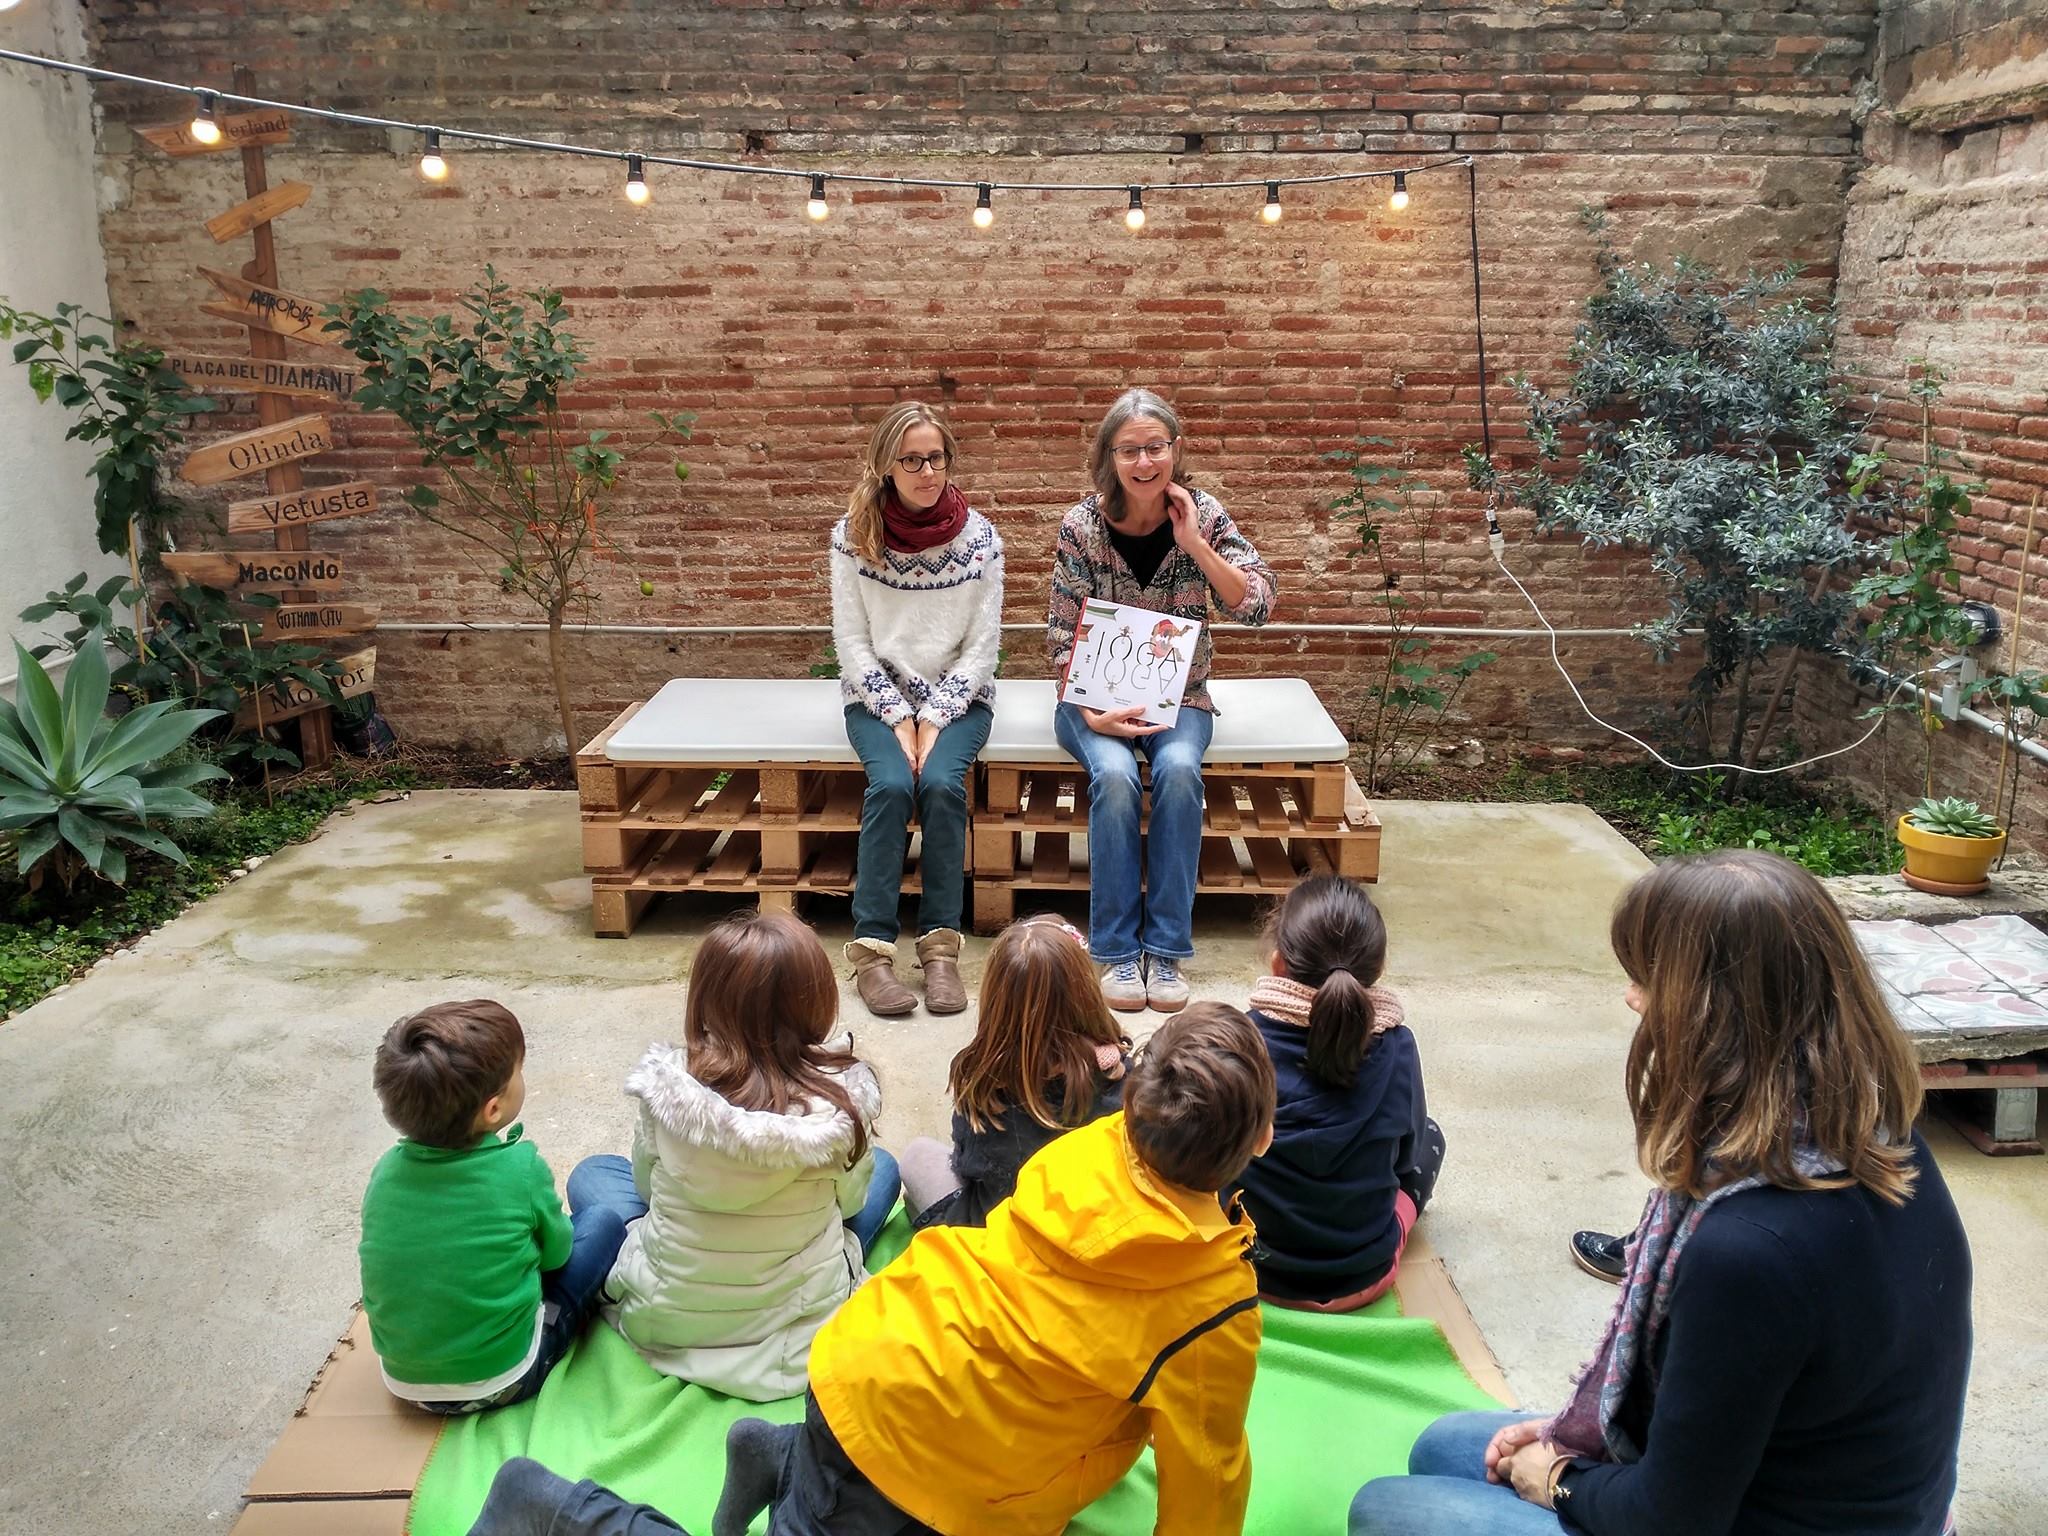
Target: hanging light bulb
{"type": "Point", "coordinates": [1271, 212]}
{"type": "Point", "coordinates": [1400, 198]}
{"type": "Point", "coordinates": [636, 181]}
{"type": "Point", "coordinates": [432, 166]}
{"type": "Point", "coordinates": [984, 215]}
{"type": "Point", "coordinates": [817, 207]}
{"type": "Point", "coordinates": [1135, 219]}
{"type": "Point", "coordinates": [204, 128]}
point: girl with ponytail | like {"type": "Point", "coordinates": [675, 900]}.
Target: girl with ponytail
{"type": "Point", "coordinates": [1354, 1156]}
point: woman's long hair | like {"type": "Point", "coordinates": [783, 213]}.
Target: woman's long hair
{"type": "Point", "coordinates": [864, 506]}
{"type": "Point", "coordinates": [1761, 1026]}
{"type": "Point", "coordinates": [1042, 1017]}
{"type": "Point", "coordinates": [763, 1001]}
{"type": "Point", "coordinates": [1130, 406]}
{"type": "Point", "coordinates": [1330, 936]}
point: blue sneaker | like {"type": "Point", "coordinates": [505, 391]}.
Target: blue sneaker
{"type": "Point", "coordinates": [1166, 990]}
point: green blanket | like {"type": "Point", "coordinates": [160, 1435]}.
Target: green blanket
{"type": "Point", "coordinates": [1338, 1400]}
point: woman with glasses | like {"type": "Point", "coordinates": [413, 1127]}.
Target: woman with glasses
{"type": "Point", "coordinates": [917, 607]}
{"type": "Point", "coordinates": [1145, 539]}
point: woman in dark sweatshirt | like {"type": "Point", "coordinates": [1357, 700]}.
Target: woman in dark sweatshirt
{"type": "Point", "coordinates": [1354, 1156]}
{"type": "Point", "coordinates": [1790, 1347]}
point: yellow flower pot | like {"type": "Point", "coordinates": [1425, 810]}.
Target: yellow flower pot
{"type": "Point", "coordinates": [1947, 866]}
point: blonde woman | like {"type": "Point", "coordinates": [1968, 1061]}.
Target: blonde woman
{"type": "Point", "coordinates": [917, 607]}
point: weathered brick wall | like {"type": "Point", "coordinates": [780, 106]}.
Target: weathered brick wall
{"type": "Point", "coordinates": [1725, 132]}
{"type": "Point", "coordinates": [1946, 258]}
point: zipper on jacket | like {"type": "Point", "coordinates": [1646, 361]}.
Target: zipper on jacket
{"type": "Point", "coordinates": [1159, 1360]}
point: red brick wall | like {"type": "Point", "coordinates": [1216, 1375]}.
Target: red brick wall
{"type": "Point", "coordinates": [1726, 133]}
{"type": "Point", "coordinates": [1946, 258]}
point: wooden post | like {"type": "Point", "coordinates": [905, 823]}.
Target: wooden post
{"type": "Point", "coordinates": [316, 727]}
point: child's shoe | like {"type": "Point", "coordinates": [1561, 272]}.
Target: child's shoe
{"type": "Point", "coordinates": [874, 977]}
{"type": "Point", "coordinates": [1123, 986]}
{"type": "Point", "coordinates": [1166, 991]}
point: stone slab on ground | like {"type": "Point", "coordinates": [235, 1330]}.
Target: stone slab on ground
{"type": "Point", "coordinates": [1888, 896]}
{"type": "Point", "coordinates": [189, 1126]}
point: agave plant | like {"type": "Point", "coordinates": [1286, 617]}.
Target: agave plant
{"type": "Point", "coordinates": [1953, 817]}
{"type": "Point", "coordinates": [74, 783]}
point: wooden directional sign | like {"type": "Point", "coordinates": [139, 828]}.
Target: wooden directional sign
{"type": "Point", "coordinates": [247, 453]}
{"type": "Point", "coordinates": [291, 697]}
{"type": "Point", "coordinates": [262, 569]}
{"type": "Point", "coordinates": [269, 514]}
{"type": "Point", "coordinates": [260, 209]}
{"type": "Point", "coordinates": [268, 309]}
{"type": "Point", "coordinates": [292, 621]}
{"type": "Point", "coordinates": [238, 130]}
{"type": "Point", "coordinates": [261, 375]}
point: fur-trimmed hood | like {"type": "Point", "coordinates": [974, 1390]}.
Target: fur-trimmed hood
{"type": "Point", "coordinates": [807, 1137]}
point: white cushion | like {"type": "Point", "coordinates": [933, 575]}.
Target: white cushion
{"type": "Point", "coordinates": [732, 720]}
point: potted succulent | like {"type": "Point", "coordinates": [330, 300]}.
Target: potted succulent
{"type": "Point", "coordinates": [1950, 845]}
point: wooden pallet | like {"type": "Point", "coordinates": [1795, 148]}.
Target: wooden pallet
{"type": "Point", "coordinates": [1265, 828]}
{"type": "Point", "coordinates": [772, 829]}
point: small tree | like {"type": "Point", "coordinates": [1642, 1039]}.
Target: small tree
{"type": "Point", "coordinates": [481, 398]}
{"type": "Point", "coordinates": [1713, 439]}
{"type": "Point", "coordinates": [1409, 693]}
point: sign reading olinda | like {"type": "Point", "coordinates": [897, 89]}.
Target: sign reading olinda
{"type": "Point", "coordinates": [248, 453]}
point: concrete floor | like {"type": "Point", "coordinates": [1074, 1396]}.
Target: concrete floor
{"type": "Point", "coordinates": [187, 1129]}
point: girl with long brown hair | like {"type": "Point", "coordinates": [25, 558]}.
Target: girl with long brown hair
{"type": "Point", "coordinates": [917, 608]}
{"type": "Point", "coordinates": [754, 1153]}
{"type": "Point", "coordinates": [1790, 1347]}
{"type": "Point", "coordinates": [1046, 1056]}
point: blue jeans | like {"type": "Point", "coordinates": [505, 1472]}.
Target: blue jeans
{"type": "Point", "coordinates": [940, 797]}
{"type": "Point", "coordinates": [1126, 919]}
{"type": "Point", "coordinates": [607, 1180]}
{"type": "Point", "coordinates": [597, 1216]}
{"type": "Point", "coordinates": [1446, 1492]}
{"type": "Point", "coordinates": [883, 1188]}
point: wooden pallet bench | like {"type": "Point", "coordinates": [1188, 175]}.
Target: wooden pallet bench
{"type": "Point", "coordinates": [1280, 801]}
{"type": "Point", "coordinates": [724, 785]}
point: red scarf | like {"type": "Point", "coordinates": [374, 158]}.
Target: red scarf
{"type": "Point", "coordinates": [907, 531]}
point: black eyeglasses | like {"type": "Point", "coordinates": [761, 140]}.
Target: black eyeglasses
{"type": "Point", "coordinates": [1130, 453]}
{"type": "Point", "coordinates": [914, 463]}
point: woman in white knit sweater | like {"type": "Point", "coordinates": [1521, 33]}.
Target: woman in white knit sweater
{"type": "Point", "coordinates": [917, 607]}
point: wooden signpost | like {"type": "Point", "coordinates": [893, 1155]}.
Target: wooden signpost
{"type": "Point", "coordinates": [260, 209]}
{"type": "Point", "coordinates": [238, 130]}
{"type": "Point", "coordinates": [276, 513]}
{"type": "Point", "coordinates": [293, 621]}
{"type": "Point", "coordinates": [291, 697]}
{"type": "Point", "coordinates": [265, 448]}
{"type": "Point", "coordinates": [272, 309]}
{"type": "Point", "coordinates": [256, 375]}
{"type": "Point", "coordinates": [259, 570]}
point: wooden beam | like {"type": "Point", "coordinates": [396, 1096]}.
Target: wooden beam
{"type": "Point", "coordinates": [260, 209]}
{"type": "Point", "coordinates": [217, 374]}
{"type": "Point", "coordinates": [249, 453]}
{"type": "Point", "coordinates": [267, 308]}
{"type": "Point", "coordinates": [261, 569]}
{"type": "Point", "coordinates": [292, 697]}
{"type": "Point", "coordinates": [274, 514]}
{"type": "Point", "coordinates": [238, 130]}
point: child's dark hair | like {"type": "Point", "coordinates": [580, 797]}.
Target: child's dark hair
{"type": "Point", "coordinates": [1200, 1097]}
{"type": "Point", "coordinates": [1042, 1017]}
{"type": "Point", "coordinates": [763, 1001]}
{"type": "Point", "coordinates": [1329, 936]}
{"type": "Point", "coordinates": [436, 1068]}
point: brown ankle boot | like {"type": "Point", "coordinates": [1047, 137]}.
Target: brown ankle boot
{"type": "Point", "coordinates": [874, 977]}
{"type": "Point", "coordinates": [939, 953]}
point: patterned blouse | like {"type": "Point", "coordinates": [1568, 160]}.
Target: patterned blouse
{"type": "Point", "coordinates": [1086, 565]}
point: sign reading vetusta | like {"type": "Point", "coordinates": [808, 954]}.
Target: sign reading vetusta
{"type": "Point", "coordinates": [270, 513]}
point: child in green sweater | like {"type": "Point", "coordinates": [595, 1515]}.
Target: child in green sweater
{"type": "Point", "coordinates": [474, 1279]}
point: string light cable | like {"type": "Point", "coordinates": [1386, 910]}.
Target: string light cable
{"type": "Point", "coordinates": [436, 136]}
